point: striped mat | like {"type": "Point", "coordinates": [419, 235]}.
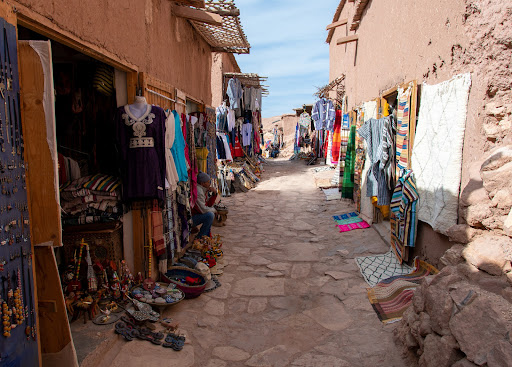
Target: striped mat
{"type": "Point", "coordinates": [350, 221]}
{"type": "Point", "coordinates": [391, 297]}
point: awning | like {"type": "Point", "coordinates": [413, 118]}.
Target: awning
{"type": "Point", "coordinates": [337, 84]}
{"type": "Point", "coordinates": [250, 79]}
{"type": "Point", "coordinates": [228, 37]}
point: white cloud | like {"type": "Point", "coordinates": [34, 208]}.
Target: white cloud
{"type": "Point", "coordinates": [288, 46]}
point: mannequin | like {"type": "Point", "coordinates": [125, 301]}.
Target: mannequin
{"type": "Point", "coordinates": [139, 107]}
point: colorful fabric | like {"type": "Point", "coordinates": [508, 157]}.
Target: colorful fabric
{"type": "Point", "coordinates": [98, 183]}
{"type": "Point", "coordinates": [404, 220]}
{"type": "Point", "coordinates": [346, 122]}
{"type": "Point", "coordinates": [350, 227]}
{"type": "Point", "coordinates": [391, 297]}
{"type": "Point", "coordinates": [305, 119]}
{"type": "Point", "coordinates": [336, 139]}
{"type": "Point", "coordinates": [324, 114]}
{"type": "Point", "coordinates": [377, 268]}
{"type": "Point", "coordinates": [402, 134]}
{"type": "Point", "coordinates": [347, 189]}
{"type": "Point", "coordinates": [350, 221]}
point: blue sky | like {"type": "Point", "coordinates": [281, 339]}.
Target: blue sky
{"type": "Point", "coordinates": [288, 46]}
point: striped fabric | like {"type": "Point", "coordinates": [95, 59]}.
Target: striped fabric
{"type": "Point", "coordinates": [391, 297]}
{"type": "Point", "coordinates": [403, 215]}
{"type": "Point", "coordinates": [402, 135]}
{"type": "Point", "coordinates": [347, 189]}
{"type": "Point", "coordinates": [101, 182]}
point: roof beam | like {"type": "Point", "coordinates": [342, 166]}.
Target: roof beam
{"type": "Point", "coordinates": [336, 24]}
{"type": "Point", "coordinates": [195, 3]}
{"type": "Point", "coordinates": [226, 13]}
{"type": "Point", "coordinates": [347, 39]}
{"type": "Point", "coordinates": [197, 15]}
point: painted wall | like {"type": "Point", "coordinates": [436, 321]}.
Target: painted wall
{"type": "Point", "coordinates": [425, 40]}
{"type": "Point", "coordinates": [143, 33]}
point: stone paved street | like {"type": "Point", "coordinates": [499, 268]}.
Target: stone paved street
{"type": "Point", "coordinates": [291, 294]}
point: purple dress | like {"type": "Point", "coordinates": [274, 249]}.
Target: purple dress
{"type": "Point", "coordinates": [142, 145]}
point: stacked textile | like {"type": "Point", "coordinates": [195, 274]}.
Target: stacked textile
{"type": "Point", "coordinates": [91, 199]}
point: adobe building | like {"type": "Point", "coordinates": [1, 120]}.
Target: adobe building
{"type": "Point", "coordinates": [96, 56]}
{"type": "Point", "coordinates": [378, 46]}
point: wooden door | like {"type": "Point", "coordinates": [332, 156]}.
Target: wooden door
{"type": "Point", "coordinates": [38, 123]}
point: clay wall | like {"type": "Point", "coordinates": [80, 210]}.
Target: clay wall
{"type": "Point", "coordinates": [431, 41]}
{"type": "Point", "coordinates": [143, 33]}
{"type": "Point", "coordinates": [221, 63]}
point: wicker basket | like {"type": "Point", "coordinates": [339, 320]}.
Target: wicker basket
{"type": "Point", "coordinates": [191, 291]}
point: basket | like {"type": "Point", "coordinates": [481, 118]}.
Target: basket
{"type": "Point", "coordinates": [191, 291]}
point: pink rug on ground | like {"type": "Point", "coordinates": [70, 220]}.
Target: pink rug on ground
{"type": "Point", "coordinates": [352, 226]}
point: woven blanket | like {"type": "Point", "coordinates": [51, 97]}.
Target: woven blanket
{"type": "Point", "coordinates": [347, 189]}
{"type": "Point", "coordinates": [350, 221]}
{"type": "Point", "coordinates": [379, 267]}
{"type": "Point", "coordinates": [391, 297]}
{"type": "Point", "coordinates": [402, 133]}
{"type": "Point", "coordinates": [332, 194]}
{"type": "Point", "coordinates": [437, 154]}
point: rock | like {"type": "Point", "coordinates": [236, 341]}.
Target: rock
{"type": "Point", "coordinates": [274, 274]}
{"type": "Point", "coordinates": [474, 191]}
{"type": "Point", "coordinates": [453, 255]}
{"type": "Point", "coordinates": [279, 266]}
{"type": "Point", "coordinates": [476, 214]}
{"type": "Point", "coordinates": [216, 363]}
{"type": "Point", "coordinates": [464, 363]}
{"type": "Point", "coordinates": [277, 356]}
{"type": "Point", "coordinates": [502, 199]}
{"type": "Point", "coordinates": [462, 233]}
{"type": "Point", "coordinates": [337, 275]}
{"type": "Point", "coordinates": [410, 341]}
{"type": "Point", "coordinates": [439, 351]}
{"type": "Point", "coordinates": [332, 317]}
{"type": "Point", "coordinates": [500, 355]}
{"type": "Point", "coordinates": [258, 260]}
{"type": "Point", "coordinates": [230, 354]}
{"type": "Point", "coordinates": [260, 287]}
{"type": "Point", "coordinates": [481, 325]}
{"type": "Point", "coordinates": [208, 321]}
{"type": "Point", "coordinates": [439, 305]}
{"type": "Point", "coordinates": [487, 253]}
{"type": "Point", "coordinates": [214, 308]}
{"type": "Point", "coordinates": [425, 327]}
{"type": "Point", "coordinates": [343, 253]}
{"type": "Point", "coordinates": [418, 300]}
{"type": "Point", "coordinates": [497, 179]}
{"type": "Point", "coordinates": [257, 305]}
{"type": "Point", "coordinates": [300, 271]}
{"type": "Point", "coordinates": [498, 157]}
{"type": "Point", "coordinates": [507, 225]}
{"type": "Point", "coordinates": [494, 284]}
{"type": "Point", "coordinates": [507, 294]}
{"type": "Point", "coordinates": [315, 360]}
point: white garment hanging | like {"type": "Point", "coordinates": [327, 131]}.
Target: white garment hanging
{"type": "Point", "coordinates": [231, 120]}
{"type": "Point", "coordinates": [229, 157]}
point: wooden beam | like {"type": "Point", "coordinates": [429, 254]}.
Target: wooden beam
{"type": "Point", "coordinates": [343, 40]}
{"type": "Point", "coordinates": [195, 3]}
{"type": "Point", "coordinates": [336, 24]}
{"type": "Point", "coordinates": [226, 13]}
{"type": "Point", "coordinates": [197, 15]}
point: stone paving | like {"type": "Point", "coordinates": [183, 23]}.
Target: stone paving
{"type": "Point", "coordinates": [291, 293]}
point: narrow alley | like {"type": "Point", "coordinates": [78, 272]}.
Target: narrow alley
{"type": "Point", "coordinates": [291, 293]}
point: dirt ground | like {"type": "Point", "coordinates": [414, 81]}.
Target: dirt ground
{"type": "Point", "coordinates": [278, 305]}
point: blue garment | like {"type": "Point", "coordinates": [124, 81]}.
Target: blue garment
{"type": "Point", "coordinates": [324, 115]}
{"type": "Point", "coordinates": [206, 220]}
{"type": "Point", "coordinates": [235, 92]}
{"type": "Point", "coordinates": [178, 149]}
{"type": "Point", "coordinates": [222, 118]}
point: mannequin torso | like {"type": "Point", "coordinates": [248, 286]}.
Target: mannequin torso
{"type": "Point", "coordinates": [139, 107]}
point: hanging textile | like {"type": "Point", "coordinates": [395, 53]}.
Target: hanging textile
{"type": "Point", "coordinates": [157, 229]}
{"type": "Point", "coordinates": [324, 114]}
{"type": "Point", "coordinates": [403, 215]}
{"type": "Point", "coordinates": [336, 138]}
{"type": "Point", "coordinates": [142, 144]}
{"type": "Point", "coordinates": [211, 144]}
{"type": "Point", "coordinates": [402, 134]}
{"type": "Point", "coordinates": [178, 149]}
{"type": "Point", "coordinates": [347, 189]}
{"type": "Point", "coordinates": [170, 132]}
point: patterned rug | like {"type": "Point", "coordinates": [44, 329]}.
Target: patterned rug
{"type": "Point", "coordinates": [391, 297]}
{"type": "Point", "coordinates": [380, 267]}
{"type": "Point", "coordinates": [350, 221]}
{"type": "Point", "coordinates": [332, 194]}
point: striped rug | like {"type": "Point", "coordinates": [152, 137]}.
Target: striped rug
{"type": "Point", "coordinates": [350, 221]}
{"type": "Point", "coordinates": [391, 297]}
